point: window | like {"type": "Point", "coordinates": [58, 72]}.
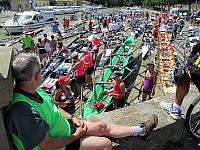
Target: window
{"type": "Point", "coordinates": [44, 4]}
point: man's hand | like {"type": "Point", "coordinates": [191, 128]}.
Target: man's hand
{"type": "Point", "coordinates": [76, 121]}
{"type": "Point", "coordinates": [81, 130]}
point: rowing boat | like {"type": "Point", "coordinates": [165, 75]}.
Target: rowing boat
{"type": "Point", "coordinates": [128, 67]}
{"type": "Point", "coordinates": [165, 60]}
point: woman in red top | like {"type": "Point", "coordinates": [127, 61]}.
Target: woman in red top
{"type": "Point", "coordinates": [89, 65]}
{"type": "Point", "coordinates": [79, 67]}
{"type": "Point", "coordinates": [67, 21]}
{"type": "Point", "coordinates": [95, 46]}
{"type": "Point", "coordinates": [118, 91]}
{"type": "Point", "coordinates": [63, 96]}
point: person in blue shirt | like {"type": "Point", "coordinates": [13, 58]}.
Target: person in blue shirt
{"type": "Point", "coordinates": [182, 23]}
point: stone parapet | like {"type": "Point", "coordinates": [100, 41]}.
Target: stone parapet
{"type": "Point", "coordinates": [167, 132]}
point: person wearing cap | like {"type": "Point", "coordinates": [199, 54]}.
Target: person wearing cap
{"type": "Point", "coordinates": [27, 41]}
{"type": "Point", "coordinates": [118, 91]}
{"type": "Point", "coordinates": [149, 83]}
{"type": "Point", "coordinates": [79, 67]}
{"type": "Point", "coordinates": [63, 96]}
{"type": "Point", "coordinates": [105, 36]}
{"type": "Point", "coordinates": [96, 43]}
{"type": "Point", "coordinates": [35, 122]}
{"type": "Point", "coordinates": [88, 64]}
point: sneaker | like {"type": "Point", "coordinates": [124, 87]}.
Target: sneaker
{"type": "Point", "coordinates": [174, 112]}
{"type": "Point", "coordinates": [149, 125]}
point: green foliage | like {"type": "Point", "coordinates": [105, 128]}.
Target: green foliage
{"type": "Point", "coordinates": [52, 2]}
{"type": "Point", "coordinates": [145, 2]}
{"type": "Point", "coordinates": [79, 2]}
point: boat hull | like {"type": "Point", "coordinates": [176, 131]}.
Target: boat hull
{"type": "Point", "coordinates": [99, 95]}
{"type": "Point", "coordinates": [19, 29]}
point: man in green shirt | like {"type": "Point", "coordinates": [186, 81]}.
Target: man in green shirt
{"type": "Point", "coordinates": [36, 123]}
{"type": "Point", "coordinates": [27, 41]}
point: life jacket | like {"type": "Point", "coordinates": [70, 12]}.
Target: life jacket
{"type": "Point", "coordinates": [117, 89]}
{"type": "Point", "coordinates": [58, 125]}
{"type": "Point", "coordinates": [80, 71]}
{"type": "Point", "coordinates": [88, 58]}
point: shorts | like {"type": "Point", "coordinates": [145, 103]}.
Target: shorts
{"type": "Point", "coordinates": [42, 56]}
{"type": "Point", "coordinates": [181, 77]}
{"type": "Point", "coordinates": [90, 70]}
{"type": "Point", "coordinates": [76, 144]}
{"type": "Point", "coordinates": [146, 92]}
{"type": "Point", "coordinates": [184, 78]}
{"type": "Point", "coordinates": [27, 48]}
{"type": "Point", "coordinates": [80, 79]}
{"type": "Point", "coordinates": [104, 42]}
{"type": "Point", "coordinates": [118, 103]}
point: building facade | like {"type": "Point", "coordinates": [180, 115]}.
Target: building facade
{"type": "Point", "coordinates": [22, 5]}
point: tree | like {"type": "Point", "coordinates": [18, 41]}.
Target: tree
{"type": "Point", "coordinates": [52, 2]}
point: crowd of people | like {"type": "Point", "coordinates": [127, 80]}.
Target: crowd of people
{"type": "Point", "coordinates": [37, 121]}
{"type": "Point", "coordinates": [44, 47]}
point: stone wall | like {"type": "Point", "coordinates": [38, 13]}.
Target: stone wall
{"type": "Point", "coordinates": [167, 133]}
{"type": "Point", "coordinates": [6, 88]}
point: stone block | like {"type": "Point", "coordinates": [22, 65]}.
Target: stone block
{"type": "Point", "coordinates": [6, 80]}
{"type": "Point", "coordinates": [4, 141]}
{"type": "Point", "coordinates": [168, 130]}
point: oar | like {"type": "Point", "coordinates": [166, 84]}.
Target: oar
{"type": "Point", "coordinates": [81, 105]}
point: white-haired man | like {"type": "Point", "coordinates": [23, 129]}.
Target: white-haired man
{"type": "Point", "coordinates": [36, 123]}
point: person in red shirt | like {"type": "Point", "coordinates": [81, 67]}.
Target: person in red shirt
{"type": "Point", "coordinates": [67, 23]}
{"type": "Point", "coordinates": [155, 32]}
{"type": "Point", "coordinates": [90, 25]}
{"type": "Point", "coordinates": [95, 46]}
{"type": "Point", "coordinates": [79, 67]}
{"type": "Point", "coordinates": [118, 91]}
{"type": "Point", "coordinates": [63, 96]}
{"type": "Point", "coordinates": [88, 65]}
